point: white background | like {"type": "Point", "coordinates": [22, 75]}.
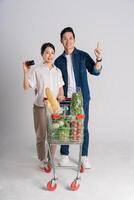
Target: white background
{"type": "Point", "coordinates": [24, 27]}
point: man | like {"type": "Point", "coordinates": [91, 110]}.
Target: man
{"type": "Point", "coordinates": [74, 65]}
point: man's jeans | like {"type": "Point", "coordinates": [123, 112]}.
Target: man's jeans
{"type": "Point", "coordinates": [64, 150]}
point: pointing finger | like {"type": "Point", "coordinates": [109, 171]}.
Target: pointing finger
{"type": "Point", "coordinates": [98, 44]}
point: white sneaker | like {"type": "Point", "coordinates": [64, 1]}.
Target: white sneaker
{"type": "Point", "coordinates": [64, 160]}
{"type": "Point", "coordinates": [42, 163]}
{"type": "Point", "coordinates": [85, 162]}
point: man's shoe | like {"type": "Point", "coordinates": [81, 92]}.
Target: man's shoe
{"type": "Point", "coordinates": [85, 162]}
{"type": "Point", "coordinates": [64, 160]}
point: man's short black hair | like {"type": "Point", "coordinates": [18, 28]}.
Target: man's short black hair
{"type": "Point", "coordinates": [44, 46]}
{"type": "Point", "coordinates": [67, 29]}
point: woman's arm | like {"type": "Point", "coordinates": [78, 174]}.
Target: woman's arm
{"type": "Point", "coordinates": [26, 70]}
{"type": "Point", "coordinates": [61, 96]}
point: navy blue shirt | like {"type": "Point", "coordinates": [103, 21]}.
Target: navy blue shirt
{"type": "Point", "coordinates": [82, 63]}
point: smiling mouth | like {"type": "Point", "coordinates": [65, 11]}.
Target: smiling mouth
{"type": "Point", "coordinates": [68, 45]}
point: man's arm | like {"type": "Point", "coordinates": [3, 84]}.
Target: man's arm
{"type": "Point", "coordinates": [98, 54]}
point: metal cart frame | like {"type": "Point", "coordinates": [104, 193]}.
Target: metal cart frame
{"type": "Point", "coordinates": [52, 184]}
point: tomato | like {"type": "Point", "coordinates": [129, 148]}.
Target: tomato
{"type": "Point", "coordinates": [80, 116]}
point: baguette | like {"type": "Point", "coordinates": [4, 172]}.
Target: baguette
{"type": "Point", "coordinates": [49, 106]}
{"type": "Point", "coordinates": [53, 101]}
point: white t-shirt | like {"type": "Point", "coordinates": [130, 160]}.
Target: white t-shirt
{"type": "Point", "coordinates": [42, 77]}
{"type": "Point", "coordinates": [71, 78]}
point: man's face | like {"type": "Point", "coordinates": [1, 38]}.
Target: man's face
{"type": "Point", "coordinates": [68, 41]}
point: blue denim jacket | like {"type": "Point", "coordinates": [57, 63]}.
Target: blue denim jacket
{"type": "Point", "coordinates": [81, 63]}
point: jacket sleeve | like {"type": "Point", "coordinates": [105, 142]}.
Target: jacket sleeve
{"type": "Point", "coordinates": [90, 65]}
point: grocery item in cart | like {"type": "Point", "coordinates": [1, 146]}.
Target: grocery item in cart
{"type": "Point", "coordinates": [60, 128]}
{"type": "Point", "coordinates": [77, 110]}
{"type": "Point", "coordinates": [68, 126]}
{"type": "Point", "coordinates": [52, 103]}
{"type": "Point", "coordinates": [77, 103]}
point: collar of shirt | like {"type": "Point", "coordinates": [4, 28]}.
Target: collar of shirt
{"type": "Point", "coordinates": [74, 52]}
{"type": "Point", "coordinates": [45, 66]}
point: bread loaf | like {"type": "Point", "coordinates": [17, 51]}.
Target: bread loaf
{"type": "Point", "coordinates": [49, 106]}
{"type": "Point", "coordinates": [53, 101]}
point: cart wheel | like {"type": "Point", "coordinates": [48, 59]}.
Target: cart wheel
{"type": "Point", "coordinates": [75, 186]}
{"type": "Point", "coordinates": [48, 168]}
{"type": "Point", "coordinates": [82, 168]}
{"type": "Point", "coordinates": [50, 186]}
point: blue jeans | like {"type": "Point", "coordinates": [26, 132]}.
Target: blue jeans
{"type": "Point", "coordinates": [64, 150]}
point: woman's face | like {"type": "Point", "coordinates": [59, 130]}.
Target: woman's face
{"type": "Point", "coordinates": [48, 55]}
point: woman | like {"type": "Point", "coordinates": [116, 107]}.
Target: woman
{"type": "Point", "coordinates": [39, 78]}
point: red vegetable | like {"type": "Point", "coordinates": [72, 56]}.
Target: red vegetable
{"type": "Point", "coordinates": [80, 116]}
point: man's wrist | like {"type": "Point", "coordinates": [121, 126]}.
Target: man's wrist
{"type": "Point", "coordinates": [98, 59]}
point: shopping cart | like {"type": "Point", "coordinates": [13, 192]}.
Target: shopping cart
{"type": "Point", "coordinates": [64, 129]}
